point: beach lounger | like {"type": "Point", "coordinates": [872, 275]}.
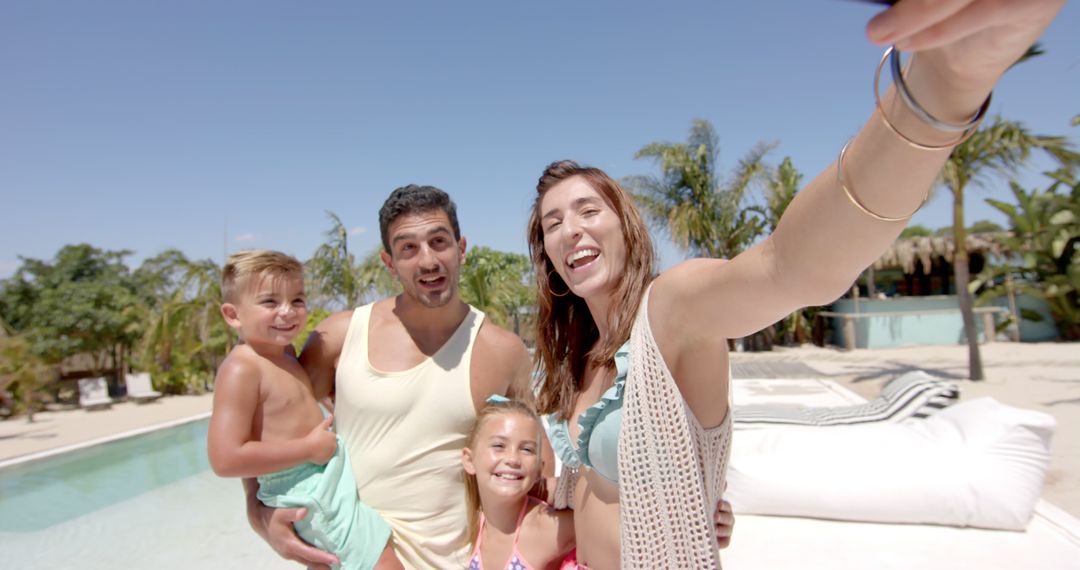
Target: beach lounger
{"type": "Point", "coordinates": [140, 389]}
{"type": "Point", "coordinates": [94, 394]}
{"type": "Point", "coordinates": [913, 395]}
{"type": "Point", "coordinates": [1050, 540]}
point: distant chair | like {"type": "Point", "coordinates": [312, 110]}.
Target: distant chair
{"type": "Point", "coordinates": [94, 394]}
{"type": "Point", "coordinates": [140, 389]}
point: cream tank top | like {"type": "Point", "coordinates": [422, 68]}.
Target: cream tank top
{"type": "Point", "coordinates": [405, 431]}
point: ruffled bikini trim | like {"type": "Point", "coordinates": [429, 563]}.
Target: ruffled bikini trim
{"type": "Point", "coordinates": [587, 420]}
{"type": "Point", "coordinates": [560, 429]}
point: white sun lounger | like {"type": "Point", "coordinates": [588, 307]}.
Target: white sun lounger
{"type": "Point", "coordinates": [1050, 542]}
{"type": "Point", "coordinates": [94, 394]}
{"type": "Point", "coordinates": [140, 389]}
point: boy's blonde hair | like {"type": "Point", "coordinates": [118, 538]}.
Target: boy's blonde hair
{"type": "Point", "coordinates": [243, 267]}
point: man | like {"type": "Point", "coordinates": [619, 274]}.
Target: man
{"type": "Point", "coordinates": [411, 373]}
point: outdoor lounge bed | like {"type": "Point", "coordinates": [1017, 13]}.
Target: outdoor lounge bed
{"type": "Point", "coordinates": [857, 479]}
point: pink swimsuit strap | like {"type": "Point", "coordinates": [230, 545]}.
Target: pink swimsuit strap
{"type": "Point", "coordinates": [516, 561]}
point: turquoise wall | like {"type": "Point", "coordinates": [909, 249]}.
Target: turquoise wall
{"type": "Point", "coordinates": [921, 326]}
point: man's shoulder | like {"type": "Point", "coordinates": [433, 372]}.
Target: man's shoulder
{"type": "Point", "coordinates": [500, 347]}
{"type": "Point", "coordinates": [338, 321]}
{"type": "Point", "coordinates": [494, 337]}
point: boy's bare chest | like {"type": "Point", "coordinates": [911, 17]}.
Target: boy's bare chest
{"type": "Point", "coordinates": [287, 398]}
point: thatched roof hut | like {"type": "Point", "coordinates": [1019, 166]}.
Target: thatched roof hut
{"type": "Point", "coordinates": [905, 252]}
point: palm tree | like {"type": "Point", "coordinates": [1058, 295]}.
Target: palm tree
{"type": "Point", "coordinates": [496, 282]}
{"type": "Point", "coordinates": [185, 337]}
{"type": "Point", "coordinates": [704, 215]}
{"type": "Point", "coordinates": [332, 271]}
{"type": "Point", "coordinates": [1044, 246]}
{"type": "Point", "coordinates": [1000, 148]}
{"type": "Point", "coordinates": [781, 185]}
{"type": "Point", "coordinates": [375, 279]}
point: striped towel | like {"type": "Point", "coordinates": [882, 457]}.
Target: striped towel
{"type": "Point", "coordinates": [915, 394]}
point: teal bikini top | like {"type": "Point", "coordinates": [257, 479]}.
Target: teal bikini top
{"type": "Point", "coordinates": [598, 443]}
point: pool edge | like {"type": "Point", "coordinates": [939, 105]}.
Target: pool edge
{"type": "Point", "coordinates": [36, 455]}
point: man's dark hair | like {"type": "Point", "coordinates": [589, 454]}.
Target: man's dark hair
{"type": "Point", "coordinates": [413, 199]}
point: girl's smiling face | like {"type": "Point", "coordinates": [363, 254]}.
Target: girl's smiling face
{"type": "Point", "coordinates": [505, 456]}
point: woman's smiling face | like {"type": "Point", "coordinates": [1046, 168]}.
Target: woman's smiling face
{"type": "Point", "coordinates": [583, 237]}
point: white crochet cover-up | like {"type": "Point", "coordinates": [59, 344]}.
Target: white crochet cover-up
{"type": "Point", "coordinates": [671, 470]}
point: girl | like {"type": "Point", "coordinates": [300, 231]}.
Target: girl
{"type": "Point", "coordinates": [509, 529]}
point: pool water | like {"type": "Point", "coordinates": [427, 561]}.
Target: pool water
{"type": "Point", "coordinates": [43, 493]}
{"type": "Point", "coordinates": [148, 501]}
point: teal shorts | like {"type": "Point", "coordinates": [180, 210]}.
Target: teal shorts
{"type": "Point", "coordinates": [336, 520]}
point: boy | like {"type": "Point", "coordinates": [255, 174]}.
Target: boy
{"type": "Point", "coordinates": [267, 424]}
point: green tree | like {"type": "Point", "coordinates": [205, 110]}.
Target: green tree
{"type": "Point", "coordinates": [916, 230]}
{"type": "Point", "coordinates": [1044, 240]}
{"type": "Point", "coordinates": [1000, 148]}
{"type": "Point", "coordinates": [375, 279]}
{"type": "Point", "coordinates": [185, 336]}
{"type": "Point", "coordinates": [337, 280]}
{"type": "Point", "coordinates": [83, 301]}
{"type": "Point", "coordinates": [22, 373]}
{"type": "Point", "coordinates": [704, 215]}
{"type": "Point", "coordinates": [496, 282]}
{"type": "Point", "coordinates": [332, 272]}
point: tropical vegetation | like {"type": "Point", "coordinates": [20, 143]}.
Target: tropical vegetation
{"type": "Point", "coordinates": [998, 149]}
{"type": "Point", "coordinates": [1044, 242]}
{"type": "Point", "coordinates": [87, 313]}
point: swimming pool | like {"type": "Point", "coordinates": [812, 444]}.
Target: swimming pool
{"type": "Point", "coordinates": [148, 501]}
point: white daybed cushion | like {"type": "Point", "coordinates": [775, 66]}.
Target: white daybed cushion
{"type": "Point", "coordinates": [978, 463]}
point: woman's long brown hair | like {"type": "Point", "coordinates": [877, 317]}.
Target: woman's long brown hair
{"type": "Point", "coordinates": [567, 338]}
{"type": "Point", "coordinates": [472, 491]}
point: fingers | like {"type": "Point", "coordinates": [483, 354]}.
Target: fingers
{"type": "Point", "coordinates": [725, 524]}
{"type": "Point", "coordinates": [326, 423]}
{"type": "Point", "coordinates": [972, 18]}
{"type": "Point", "coordinates": [328, 403]}
{"type": "Point", "coordinates": [287, 544]}
{"type": "Point", "coordinates": [309, 556]}
{"type": "Point", "coordinates": [909, 17]}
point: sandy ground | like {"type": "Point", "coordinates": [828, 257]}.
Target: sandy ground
{"type": "Point", "coordinates": [1040, 376]}
{"type": "Point", "coordinates": [56, 429]}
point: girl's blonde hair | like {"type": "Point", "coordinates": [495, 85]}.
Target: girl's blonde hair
{"type": "Point", "coordinates": [472, 491]}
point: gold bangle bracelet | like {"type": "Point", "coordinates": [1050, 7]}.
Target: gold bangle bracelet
{"type": "Point", "coordinates": [851, 196]}
{"type": "Point", "coordinates": [914, 143]}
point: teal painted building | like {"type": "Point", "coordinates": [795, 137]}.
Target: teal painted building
{"type": "Point", "coordinates": [932, 320]}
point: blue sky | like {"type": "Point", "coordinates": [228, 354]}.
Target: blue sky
{"type": "Point", "coordinates": [211, 125]}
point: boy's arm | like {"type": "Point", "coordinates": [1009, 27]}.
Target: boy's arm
{"type": "Point", "coordinates": [232, 450]}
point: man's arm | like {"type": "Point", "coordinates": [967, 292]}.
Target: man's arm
{"type": "Point", "coordinates": [321, 351]}
{"type": "Point", "coordinates": [275, 526]}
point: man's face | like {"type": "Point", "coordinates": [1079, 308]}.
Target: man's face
{"type": "Point", "coordinates": [425, 257]}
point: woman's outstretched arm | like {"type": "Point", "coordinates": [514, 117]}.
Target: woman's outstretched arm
{"type": "Point", "coordinates": [828, 235]}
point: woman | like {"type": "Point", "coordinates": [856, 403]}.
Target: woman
{"type": "Point", "coordinates": [636, 369]}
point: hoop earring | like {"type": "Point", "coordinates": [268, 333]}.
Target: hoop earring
{"type": "Point", "coordinates": [553, 293]}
